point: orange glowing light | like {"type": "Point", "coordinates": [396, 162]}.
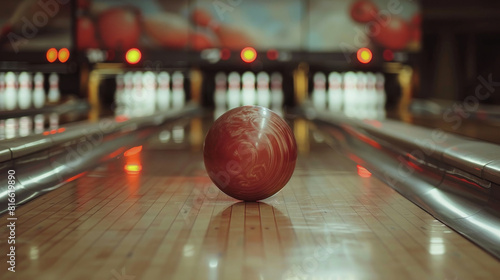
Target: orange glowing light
{"type": "Point", "coordinates": [51, 55]}
{"type": "Point", "coordinates": [62, 129]}
{"type": "Point", "coordinates": [133, 151]}
{"type": "Point", "coordinates": [63, 55]}
{"type": "Point", "coordinates": [133, 56]}
{"type": "Point", "coordinates": [75, 177]}
{"type": "Point", "coordinates": [133, 168]}
{"type": "Point", "coordinates": [364, 55]}
{"type": "Point", "coordinates": [46, 133]}
{"type": "Point", "coordinates": [53, 131]}
{"type": "Point", "coordinates": [363, 172]}
{"type": "Point", "coordinates": [248, 54]}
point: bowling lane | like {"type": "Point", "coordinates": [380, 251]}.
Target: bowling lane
{"type": "Point", "coordinates": [168, 221]}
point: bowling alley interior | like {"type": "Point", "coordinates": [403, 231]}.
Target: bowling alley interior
{"type": "Point", "coordinates": [250, 139]}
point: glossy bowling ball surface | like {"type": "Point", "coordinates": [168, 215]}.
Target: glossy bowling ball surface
{"type": "Point", "coordinates": [250, 153]}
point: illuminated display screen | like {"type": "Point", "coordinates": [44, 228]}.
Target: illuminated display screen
{"type": "Point", "coordinates": [296, 25]}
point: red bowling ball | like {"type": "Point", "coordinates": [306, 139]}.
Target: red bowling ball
{"type": "Point", "coordinates": [250, 153]}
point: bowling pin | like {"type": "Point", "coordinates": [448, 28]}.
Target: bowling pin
{"type": "Point", "coordinates": [39, 91]}
{"type": "Point", "coordinates": [118, 96]}
{"type": "Point", "coordinates": [120, 87]}
{"type": "Point", "coordinates": [39, 123]}
{"type": "Point", "coordinates": [371, 95]}
{"type": "Point", "coordinates": [163, 93]}
{"type": "Point", "coordinates": [319, 91]}
{"type": "Point", "coordinates": [350, 83]}
{"type": "Point", "coordinates": [25, 126]}
{"type": "Point", "coordinates": [335, 98]}
{"type": "Point", "coordinates": [25, 91]}
{"type": "Point", "coordinates": [10, 92]}
{"type": "Point", "coordinates": [360, 102]}
{"type": "Point", "coordinates": [54, 121]}
{"type": "Point", "coordinates": [277, 95]}
{"type": "Point", "coordinates": [233, 92]}
{"type": "Point", "coordinates": [149, 91]}
{"type": "Point", "coordinates": [220, 94]}
{"type": "Point", "coordinates": [263, 92]}
{"type": "Point", "coordinates": [178, 93]}
{"type": "Point", "coordinates": [248, 88]}
{"type": "Point", "coordinates": [54, 95]}
{"type": "Point", "coordinates": [127, 96]}
{"type": "Point", "coordinates": [10, 128]}
{"type": "Point", "coordinates": [137, 107]}
{"type": "Point", "coordinates": [2, 91]}
{"type": "Point", "coordinates": [381, 95]}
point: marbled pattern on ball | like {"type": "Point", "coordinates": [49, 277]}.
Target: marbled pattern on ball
{"type": "Point", "coordinates": [250, 153]}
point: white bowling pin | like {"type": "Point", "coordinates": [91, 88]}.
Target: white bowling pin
{"type": "Point", "coordinates": [54, 95]}
{"type": "Point", "coordinates": [10, 128]}
{"type": "Point", "coordinates": [149, 91]}
{"type": "Point", "coordinates": [163, 93]}
{"type": "Point", "coordinates": [361, 96]}
{"type": "Point", "coordinates": [128, 90]}
{"type": "Point", "coordinates": [120, 88]}
{"type": "Point", "coordinates": [39, 123]}
{"type": "Point", "coordinates": [233, 91]}
{"type": "Point", "coordinates": [137, 107]}
{"type": "Point", "coordinates": [10, 92]}
{"type": "Point", "coordinates": [39, 91]}
{"type": "Point", "coordinates": [220, 92]}
{"type": "Point", "coordinates": [263, 92]}
{"type": "Point", "coordinates": [25, 91]}
{"type": "Point", "coordinates": [319, 91]}
{"type": "Point", "coordinates": [178, 93]}
{"type": "Point", "coordinates": [335, 98]}
{"type": "Point", "coordinates": [277, 95]}
{"type": "Point", "coordinates": [25, 126]}
{"type": "Point", "coordinates": [381, 95]}
{"type": "Point", "coordinates": [371, 95]}
{"type": "Point", "coordinates": [54, 121]}
{"type": "Point", "coordinates": [118, 97]}
{"type": "Point", "coordinates": [248, 91]}
{"type": "Point", "coordinates": [350, 83]}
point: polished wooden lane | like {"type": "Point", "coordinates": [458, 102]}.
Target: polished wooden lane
{"type": "Point", "coordinates": [168, 221]}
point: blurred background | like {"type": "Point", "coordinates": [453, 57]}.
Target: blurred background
{"type": "Point", "coordinates": [421, 56]}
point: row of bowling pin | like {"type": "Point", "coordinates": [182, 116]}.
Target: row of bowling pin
{"type": "Point", "coordinates": [22, 91]}
{"type": "Point", "coordinates": [356, 94]}
{"type": "Point", "coordinates": [27, 125]}
{"type": "Point", "coordinates": [141, 93]}
{"type": "Point", "coordinates": [234, 90]}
